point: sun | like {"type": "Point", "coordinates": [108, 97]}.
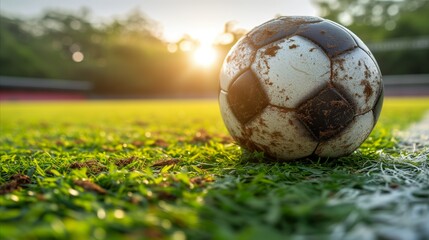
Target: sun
{"type": "Point", "coordinates": [204, 55]}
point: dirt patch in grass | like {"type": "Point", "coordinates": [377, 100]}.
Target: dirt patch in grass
{"type": "Point", "coordinates": [201, 136]}
{"type": "Point", "coordinates": [141, 123]}
{"type": "Point", "coordinates": [225, 139]}
{"type": "Point", "coordinates": [153, 233]}
{"type": "Point", "coordinates": [201, 181]}
{"type": "Point", "coordinates": [93, 166]}
{"type": "Point", "coordinates": [108, 148]}
{"type": "Point", "coordinates": [137, 143]}
{"type": "Point", "coordinates": [160, 143]}
{"type": "Point", "coordinates": [166, 196]}
{"type": "Point", "coordinates": [166, 162]}
{"type": "Point", "coordinates": [125, 161]}
{"type": "Point", "coordinates": [15, 182]}
{"type": "Point", "coordinates": [90, 186]}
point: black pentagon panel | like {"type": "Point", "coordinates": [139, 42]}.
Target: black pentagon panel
{"type": "Point", "coordinates": [246, 97]}
{"type": "Point", "coordinates": [359, 42]}
{"type": "Point", "coordinates": [277, 29]}
{"type": "Point", "coordinates": [378, 105]}
{"type": "Point", "coordinates": [332, 38]}
{"type": "Point", "coordinates": [326, 114]}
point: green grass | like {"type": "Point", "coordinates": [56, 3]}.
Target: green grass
{"type": "Point", "coordinates": [168, 170]}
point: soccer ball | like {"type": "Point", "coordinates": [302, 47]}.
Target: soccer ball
{"type": "Point", "coordinates": [300, 86]}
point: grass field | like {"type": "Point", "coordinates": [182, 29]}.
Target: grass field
{"type": "Point", "coordinates": [169, 170]}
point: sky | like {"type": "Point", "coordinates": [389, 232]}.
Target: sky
{"type": "Point", "coordinates": [201, 19]}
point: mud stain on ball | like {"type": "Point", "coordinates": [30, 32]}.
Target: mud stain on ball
{"type": "Point", "coordinates": [340, 62]}
{"type": "Point", "coordinates": [293, 46]}
{"type": "Point", "coordinates": [272, 51]}
{"type": "Point", "coordinates": [367, 91]}
{"type": "Point", "coordinates": [367, 72]}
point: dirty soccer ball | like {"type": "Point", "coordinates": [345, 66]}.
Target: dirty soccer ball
{"type": "Point", "coordinates": [296, 87]}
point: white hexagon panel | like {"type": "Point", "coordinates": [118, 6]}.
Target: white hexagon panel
{"type": "Point", "coordinates": [349, 139]}
{"type": "Point", "coordinates": [280, 134]}
{"type": "Point", "coordinates": [357, 75]}
{"type": "Point", "coordinates": [291, 70]}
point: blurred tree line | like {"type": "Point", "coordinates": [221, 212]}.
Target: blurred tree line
{"type": "Point", "coordinates": [125, 57]}
{"type": "Point", "coordinates": [121, 58]}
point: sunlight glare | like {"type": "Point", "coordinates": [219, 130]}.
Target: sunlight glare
{"type": "Point", "coordinates": [205, 55]}
{"type": "Point", "coordinates": [172, 47]}
{"type": "Point", "coordinates": [77, 56]}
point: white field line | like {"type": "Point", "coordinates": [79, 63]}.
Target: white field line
{"type": "Point", "coordinates": [397, 212]}
{"type": "Point", "coordinates": [417, 135]}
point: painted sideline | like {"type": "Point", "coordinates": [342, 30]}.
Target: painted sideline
{"type": "Point", "coordinates": [417, 135]}
{"type": "Point", "coordinates": [397, 203]}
